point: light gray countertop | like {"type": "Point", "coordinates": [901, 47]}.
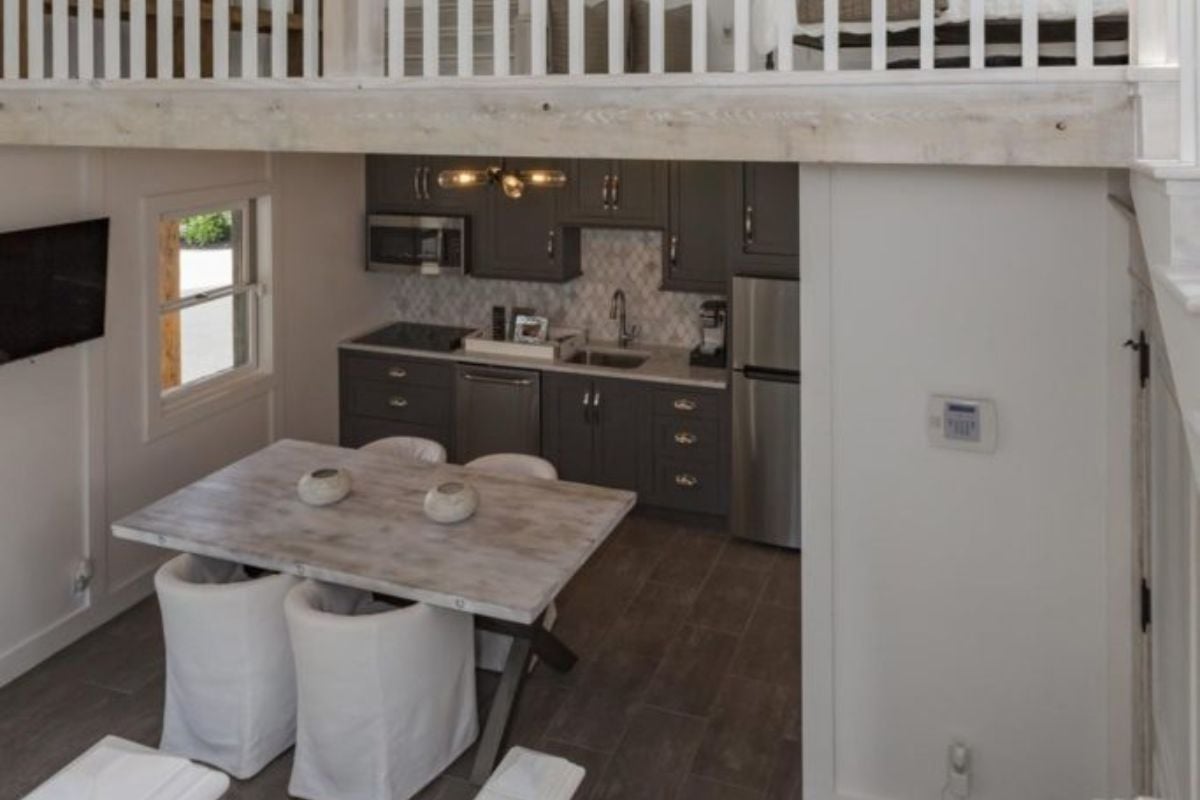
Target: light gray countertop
{"type": "Point", "coordinates": [666, 365]}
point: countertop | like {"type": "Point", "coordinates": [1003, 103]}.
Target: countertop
{"type": "Point", "coordinates": [667, 365]}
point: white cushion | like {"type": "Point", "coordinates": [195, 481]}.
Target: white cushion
{"type": "Point", "coordinates": [231, 689]}
{"type": "Point", "coordinates": [408, 448]}
{"type": "Point", "coordinates": [116, 769]}
{"type": "Point", "coordinates": [386, 694]}
{"type": "Point", "coordinates": [529, 775]}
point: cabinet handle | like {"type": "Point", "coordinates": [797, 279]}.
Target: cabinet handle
{"type": "Point", "coordinates": [605, 191]}
{"type": "Point", "coordinates": [683, 404]}
{"type": "Point", "coordinates": [686, 481]}
{"type": "Point", "coordinates": [425, 183]}
{"type": "Point", "coordinates": [616, 192]}
{"type": "Point", "coordinates": [501, 381]}
{"type": "Point", "coordinates": [674, 248]}
{"type": "Point", "coordinates": [686, 439]}
{"type": "Point", "coordinates": [749, 223]}
{"type": "Point", "coordinates": [550, 244]}
{"type": "Point", "coordinates": [397, 372]}
{"type": "Point", "coordinates": [596, 400]}
{"type": "Point", "coordinates": [417, 183]}
{"type": "Point", "coordinates": [587, 407]}
{"type": "Point", "coordinates": [397, 402]}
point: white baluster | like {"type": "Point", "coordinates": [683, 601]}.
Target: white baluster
{"type": "Point", "coordinates": [878, 34]}
{"type": "Point", "coordinates": [575, 37]}
{"type": "Point", "coordinates": [220, 38]}
{"type": "Point", "coordinates": [164, 38]}
{"type": "Point", "coordinates": [431, 40]}
{"type": "Point", "coordinates": [466, 38]}
{"type": "Point", "coordinates": [137, 39]}
{"type": "Point", "coordinates": [658, 36]}
{"type": "Point", "coordinates": [311, 37]}
{"type": "Point", "coordinates": [741, 35]}
{"type": "Point", "coordinates": [699, 36]}
{"type": "Point", "coordinates": [537, 38]}
{"type": "Point", "coordinates": [279, 38]}
{"type": "Point", "coordinates": [112, 39]}
{"type": "Point", "coordinates": [191, 38]}
{"type": "Point", "coordinates": [832, 35]}
{"type": "Point", "coordinates": [1029, 33]}
{"type": "Point", "coordinates": [501, 48]}
{"type": "Point", "coordinates": [616, 37]}
{"type": "Point", "coordinates": [1084, 31]}
{"type": "Point", "coordinates": [12, 39]}
{"type": "Point", "coordinates": [927, 35]}
{"type": "Point", "coordinates": [59, 55]}
{"type": "Point", "coordinates": [395, 42]}
{"type": "Point", "coordinates": [978, 44]}
{"type": "Point", "coordinates": [35, 41]}
{"type": "Point", "coordinates": [249, 38]}
{"type": "Point", "coordinates": [85, 35]}
{"type": "Point", "coordinates": [784, 48]}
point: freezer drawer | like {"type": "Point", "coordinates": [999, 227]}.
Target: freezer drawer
{"type": "Point", "coordinates": [497, 411]}
{"type": "Point", "coordinates": [766, 459]}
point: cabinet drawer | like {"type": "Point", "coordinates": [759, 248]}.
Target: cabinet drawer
{"type": "Point", "coordinates": [689, 485]}
{"type": "Point", "coordinates": [357, 431]}
{"type": "Point", "coordinates": [398, 371]}
{"type": "Point", "coordinates": [691, 439]}
{"type": "Point", "coordinates": [686, 403]}
{"type": "Point", "coordinates": [390, 400]}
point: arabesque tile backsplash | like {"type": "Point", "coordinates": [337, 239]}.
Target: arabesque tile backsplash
{"type": "Point", "coordinates": [611, 260]}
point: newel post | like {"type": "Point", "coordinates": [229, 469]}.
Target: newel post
{"type": "Point", "coordinates": [354, 38]}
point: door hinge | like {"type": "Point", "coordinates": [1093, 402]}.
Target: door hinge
{"type": "Point", "coordinates": [1142, 347]}
{"type": "Point", "coordinates": [1145, 601]}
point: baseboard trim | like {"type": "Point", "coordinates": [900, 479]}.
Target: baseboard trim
{"type": "Point", "coordinates": [28, 654]}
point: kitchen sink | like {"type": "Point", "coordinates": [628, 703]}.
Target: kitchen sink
{"type": "Point", "coordinates": [619, 359]}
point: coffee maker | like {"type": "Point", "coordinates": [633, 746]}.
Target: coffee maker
{"type": "Point", "coordinates": [711, 350]}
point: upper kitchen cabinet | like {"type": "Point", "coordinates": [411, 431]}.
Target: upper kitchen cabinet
{"type": "Point", "coordinates": [767, 241]}
{"type": "Point", "coordinates": [631, 194]}
{"type": "Point", "coordinates": [522, 238]}
{"type": "Point", "coordinates": [696, 253]}
{"type": "Point", "coordinates": [409, 184]}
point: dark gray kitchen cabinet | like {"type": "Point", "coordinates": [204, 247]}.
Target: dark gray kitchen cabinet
{"type": "Point", "coordinates": [522, 238]}
{"type": "Point", "coordinates": [595, 430]}
{"type": "Point", "coordinates": [409, 184]}
{"type": "Point", "coordinates": [691, 446]}
{"type": "Point", "coordinates": [695, 246]}
{"type": "Point", "coordinates": [767, 237]}
{"type": "Point", "coordinates": [382, 395]}
{"type": "Point", "coordinates": [605, 192]}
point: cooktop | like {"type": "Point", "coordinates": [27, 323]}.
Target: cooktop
{"type": "Point", "coordinates": [417, 336]}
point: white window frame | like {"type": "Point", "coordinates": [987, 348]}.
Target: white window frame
{"type": "Point", "coordinates": [168, 411]}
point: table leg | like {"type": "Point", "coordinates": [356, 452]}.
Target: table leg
{"type": "Point", "coordinates": [500, 715]}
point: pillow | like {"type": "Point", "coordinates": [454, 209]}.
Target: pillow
{"type": "Point", "coordinates": [595, 38]}
{"type": "Point", "coordinates": [678, 28]}
{"type": "Point", "coordinates": [812, 12]}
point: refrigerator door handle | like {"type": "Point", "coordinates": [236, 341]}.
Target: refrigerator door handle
{"type": "Point", "coordinates": [769, 374]}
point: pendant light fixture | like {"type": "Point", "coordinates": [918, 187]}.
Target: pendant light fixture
{"type": "Point", "coordinates": [511, 182]}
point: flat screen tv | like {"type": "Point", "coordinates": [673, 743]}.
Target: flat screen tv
{"type": "Point", "coordinates": [52, 287]}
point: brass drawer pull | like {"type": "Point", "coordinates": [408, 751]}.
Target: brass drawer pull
{"type": "Point", "coordinates": [687, 481]}
{"type": "Point", "coordinates": [397, 402]}
{"type": "Point", "coordinates": [686, 439]}
{"type": "Point", "coordinates": [397, 372]}
{"type": "Point", "coordinates": [683, 404]}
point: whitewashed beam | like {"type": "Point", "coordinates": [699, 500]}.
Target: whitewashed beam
{"type": "Point", "coordinates": [832, 36]}
{"type": "Point", "coordinates": [85, 39]}
{"type": "Point", "coordinates": [466, 38]}
{"type": "Point", "coordinates": [431, 39]}
{"type": "Point", "coordinates": [1084, 32]}
{"type": "Point", "coordinates": [311, 37]}
{"type": "Point", "coordinates": [395, 38]}
{"type": "Point", "coordinates": [35, 33]}
{"type": "Point", "coordinates": [12, 39]}
{"type": "Point", "coordinates": [137, 39]}
{"type": "Point", "coordinates": [927, 34]}
{"type": "Point", "coordinates": [699, 36]}
{"type": "Point", "coordinates": [279, 38]}
{"type": "Point", "coordinates": [249, 39]}
{"type": "Point", "coordinates": [537, 38]}
{"type": "Point", "coordinates": [164, 38]}
{"type": "Point", "coordinates": [741, 35]}
{"type": "Point", "coordinates": [616, 37]}
{"type": "Point", "coordinates": [976, 36]}
{"type": "Point", "coordinates": [501, 38]}
{"type": "Point", "coordinates": [112, 39]}
{"type": "Point", "coordinates": [1029, 34]}
{"type": "Point", "coordinates": [878, 34]}
{"type": "Point", "coordinates": [191, 39]}
{"type": "Point", "coordinates": [575, 37]}
{"type": "Point", "coordinates": [60, 54]}
{"type": "Point", "coordinates": [658, 37]}
{"type": "Point", "coordinates": [220, 26]}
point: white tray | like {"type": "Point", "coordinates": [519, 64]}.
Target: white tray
{"type": "Point", "coordinates": [561, 344]}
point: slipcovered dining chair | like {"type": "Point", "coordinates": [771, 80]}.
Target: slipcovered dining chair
{"type": "Point", "coordinates": [386, 694]}
{"type": "Point", "coordinates": [491, 649]}
{"type": "Point", "coordinates": [410, 448]}
{"type": "Point", "coordinates": [231, 689]}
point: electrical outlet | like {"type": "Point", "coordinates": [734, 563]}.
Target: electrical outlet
{"type": "Point", "coordinates": [958, 771]}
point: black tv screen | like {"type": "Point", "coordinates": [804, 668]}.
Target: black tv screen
{"type": "Point", "coordinates": [52, 287]}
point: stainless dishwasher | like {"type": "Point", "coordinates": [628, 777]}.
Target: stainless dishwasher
{"type": "Point", "coordinates": [497, 410]}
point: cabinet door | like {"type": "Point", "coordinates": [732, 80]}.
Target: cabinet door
{"type": "Point", "coordinates": [395, 183]}
{"type": "Point", "coordinates": [770, 219]}
{"type": "Point", "coordinates": [695, 252]}
{"type": "Point", "coordinates": [589, 184]}
{"type": "Point", "coordinates": [639, 193]}
{"type": "Point", "coordinates": [567, 429]}
{"type": "Point", "coordinates": [523, 240]}
{"type": "Point", "coordinates": [621, 440]}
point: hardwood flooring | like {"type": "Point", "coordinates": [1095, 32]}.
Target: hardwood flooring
{"type": "Point", "coordinates": [687, 686]}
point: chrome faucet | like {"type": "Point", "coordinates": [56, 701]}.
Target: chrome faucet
{"type": "Point", "coordinates": [625, 334]}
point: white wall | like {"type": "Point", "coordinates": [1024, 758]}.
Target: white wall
{"type": "Point", "coordinates": [954, 595]}
{"type": "Point", "coordinates": [71, 422]}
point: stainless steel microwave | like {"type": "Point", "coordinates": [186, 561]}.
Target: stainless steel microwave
{"type": "Point", "coordinates": [413, 244]}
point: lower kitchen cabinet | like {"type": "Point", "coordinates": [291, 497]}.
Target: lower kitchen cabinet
{"type": "Point", "coordinates": [691, 450]}
{"type": "Point", "coordinates": [382, 396]}
{"type": "Point", "coordinates": [594, 431]}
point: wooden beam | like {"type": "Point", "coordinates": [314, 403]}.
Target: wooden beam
{"type": "Point", "coordinates": [927, 121]}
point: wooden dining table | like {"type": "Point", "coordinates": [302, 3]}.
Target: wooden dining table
{"type": "Point", "coordinates": [504, 565]}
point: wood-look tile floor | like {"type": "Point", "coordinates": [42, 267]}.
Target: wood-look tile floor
{"type": "Point", "coordinates": [687, 687]}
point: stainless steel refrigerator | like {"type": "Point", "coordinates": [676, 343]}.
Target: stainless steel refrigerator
{"type": "Point", "coordinates": [766, 410]}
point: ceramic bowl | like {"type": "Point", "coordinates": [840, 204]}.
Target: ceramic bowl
{"type": "Point", "coordinates": [324, 487]}
{"type": "Point", "coordinates": [451, 502]}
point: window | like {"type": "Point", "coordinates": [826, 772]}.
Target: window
{"type": "Point", "coordinates": [209, 323]}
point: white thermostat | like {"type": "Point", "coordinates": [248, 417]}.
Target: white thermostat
{"type": "Point", "coordinates": [962, 423]}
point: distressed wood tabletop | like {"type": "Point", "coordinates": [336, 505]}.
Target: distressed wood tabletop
{"type": "Point", "coordinates": [528, 538]}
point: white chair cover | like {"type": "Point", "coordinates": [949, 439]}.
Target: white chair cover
{"type": "Point", "coordinates": [515, 464]}
{"type": "Point", "coordinates": [491, 649]}
{"type": "Point", "coordinates": [116, 769]}
{"type": "Point", "coordinates": [387, 695]}
{"type": "Point", "coordinates": [409, 448]}
{"type": "Point", "coordinates": [529, 775]}
{"type": "Point", "coordinates": [231, 689]}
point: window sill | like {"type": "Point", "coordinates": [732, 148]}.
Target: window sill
{"type": "Point", "coordinates": [193, 404]}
